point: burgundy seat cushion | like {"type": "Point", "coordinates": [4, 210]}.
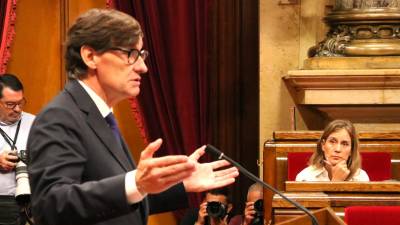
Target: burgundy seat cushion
{"type": "Point", "coordinates": [296, 162]}
{"type": "Point", "coordinates": [372, 215]}
{"type": "Point", "coordinates": [377, 165]}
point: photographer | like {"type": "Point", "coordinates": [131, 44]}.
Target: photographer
{"type": "Point", "coordinates": [253, 213]}
{"type": "Point", "coordinates": [14, 129]}
{"type": "Point", "coordinates": [254, 209]}
{"type": "Point", "coordinates": [214, 210]}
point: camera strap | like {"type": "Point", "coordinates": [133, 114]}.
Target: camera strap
{"type": "Point", "coordinates": [7, 138]}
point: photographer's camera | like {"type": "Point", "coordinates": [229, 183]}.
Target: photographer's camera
{"type": "Point", "coordinates": [259, 215]}
{"type": "Point", "coordinates": [23, 189]}
{"type": "Point", "coordinates": [216, 210]}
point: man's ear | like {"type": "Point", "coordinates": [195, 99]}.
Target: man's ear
{"type": "Point", "coordinates": [88, 55]}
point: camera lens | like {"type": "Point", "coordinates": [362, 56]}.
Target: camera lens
{"type": "Point", "coordinates": [259, 215]}
{"type": "Point", "coordinates": [216, 209]}
{"type": "Point", "coordinates": [259, 205]}
{"type": "Point", "coordinates": [23, 190]}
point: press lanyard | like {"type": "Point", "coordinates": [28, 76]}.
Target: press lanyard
{"type": "Point", "coordinates": [10, 141]}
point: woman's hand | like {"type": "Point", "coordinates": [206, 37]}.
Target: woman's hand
{"type": "Point", "coordinates": [338, 172]}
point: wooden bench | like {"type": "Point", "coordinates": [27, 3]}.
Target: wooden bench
{"type": "Point", "coordinates": [276, 150]}
{"type": "Point", "coordinates": [336, 195]}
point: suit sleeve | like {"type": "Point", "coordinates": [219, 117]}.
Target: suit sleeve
{"type": "Point", "coordinates": [61, 192]}
{"type": "Point", "coordinates": [172, 199]}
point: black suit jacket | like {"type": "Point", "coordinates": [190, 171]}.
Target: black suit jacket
{"type": "Point", "coordinates": [77, 171]}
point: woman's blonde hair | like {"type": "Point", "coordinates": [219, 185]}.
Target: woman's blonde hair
{"type": "Point", "coordinates": [354, 161]}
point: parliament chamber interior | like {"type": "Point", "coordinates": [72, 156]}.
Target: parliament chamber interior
{"type": "Point", "coordinates": [281, 71]}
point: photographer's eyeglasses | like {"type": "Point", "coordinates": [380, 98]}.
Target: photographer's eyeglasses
{"type": "Point", "coordinates": [133, 54]}
{"type": "Point", "coordinates": [12, 105]}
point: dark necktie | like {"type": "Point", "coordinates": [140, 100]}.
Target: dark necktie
{"type": "Point", "coordinates": [112, 123]}
{"type": "Point", "coordinates": [110, 119]}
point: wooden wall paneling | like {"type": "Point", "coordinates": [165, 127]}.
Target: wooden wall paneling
{"type": "Point", "coordinates": [76, 7]}
{"type": "Point", "coordinates": [35, 53]}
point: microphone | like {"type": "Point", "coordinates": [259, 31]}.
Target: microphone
{"type": "Point", "coordinates": [220, 155]}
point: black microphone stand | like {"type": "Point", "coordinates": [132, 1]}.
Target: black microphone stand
{"type": "Point", "coordinates": [214, 151]}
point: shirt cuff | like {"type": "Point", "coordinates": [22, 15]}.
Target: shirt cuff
{"type": "Point", "coordinates": [132, 193]}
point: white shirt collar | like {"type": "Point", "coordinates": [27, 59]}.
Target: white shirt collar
{"type": "Point", "coordinates": [98, 101]}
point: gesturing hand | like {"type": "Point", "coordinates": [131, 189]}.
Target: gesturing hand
{"type": "Point", "coordinates": [155, 175]}
{"type": "Point", "coordinates": [206, 176]}
{"type": "Point", "coordinates": [8, 160]}
{"type": "Point", "coordinates": [338, 172]}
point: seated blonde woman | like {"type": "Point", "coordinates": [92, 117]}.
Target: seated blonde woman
{"type": "Point", "coordinates": [336, 157]}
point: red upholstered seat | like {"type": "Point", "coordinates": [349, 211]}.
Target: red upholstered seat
{"type": "Point", "coordinates": [377, 164]}
{"type": "Point", "coordinates": [372, 215]}
{"type": "Point", "coordinates": [296, 162]}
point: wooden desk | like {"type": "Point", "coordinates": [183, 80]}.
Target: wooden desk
{"type": "Point", "coordinates": [337, 195]}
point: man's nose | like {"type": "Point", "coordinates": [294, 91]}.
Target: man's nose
{"type": "Point", "coordinates": [17, 108]}
{"type": "Point", "coordinates": [140, 66]}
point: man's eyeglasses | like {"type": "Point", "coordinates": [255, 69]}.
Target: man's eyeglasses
{"type": "Point", "coordinates": [133, 54]}
{"type": "Point", "coordinates": [12, 105]}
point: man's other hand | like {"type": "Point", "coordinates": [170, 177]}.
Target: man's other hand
{"type": "Point", "coordinates": [206, 176]}
{"type": "Point", "coordinates": [155, 175]}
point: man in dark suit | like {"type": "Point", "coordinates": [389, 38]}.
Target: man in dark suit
{"type": "Point", "coordinates": [81, 171]}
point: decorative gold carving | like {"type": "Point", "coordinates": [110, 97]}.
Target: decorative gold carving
{"type": "Point", "coordinates": [364, 4]}
{"type": "Point", "coordinates": [334, 45]}
{"type": "Point", "coordinates": [361, 28]}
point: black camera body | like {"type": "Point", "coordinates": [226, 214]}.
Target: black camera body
{"type": "Point", "coordinates": [216, 210]}
{"type": "Point", "coordinates": [259, 215]}
{"type": "Point", "coordinates": [23, 156]}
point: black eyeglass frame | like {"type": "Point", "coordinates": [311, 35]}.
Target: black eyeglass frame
{"type": "Point", "coordinates": [133, 52]}
{"type": "Point", "coordinates": [12, 105]}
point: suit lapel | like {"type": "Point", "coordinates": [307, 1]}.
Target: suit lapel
{"type": "Point", "coordinates": [98, 123]}
{"type": "Point", "coordinates": [128, 152]}
{"type": "Point", "coordinates": [100, 127]}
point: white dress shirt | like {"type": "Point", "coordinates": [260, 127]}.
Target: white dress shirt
{"type": "Point", "coordinates": [312, 173]}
